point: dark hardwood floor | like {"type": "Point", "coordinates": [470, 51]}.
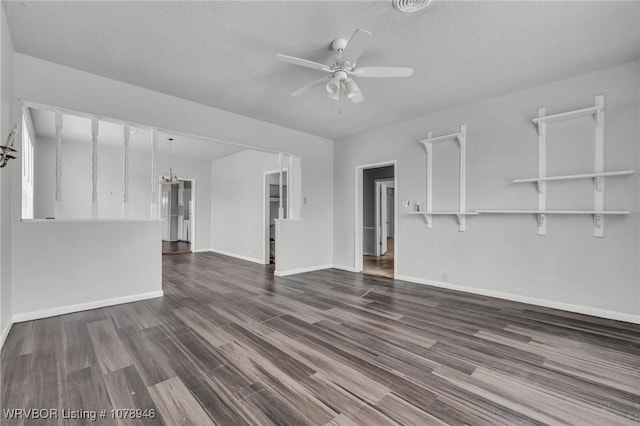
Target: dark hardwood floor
{"type": "Point", "coordinates": [380, 265]}
{"type": "Point", "coordinates": [176, 247]}
{"type": "Point", "coordinates": [231, 344]}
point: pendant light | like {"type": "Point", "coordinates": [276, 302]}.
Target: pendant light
{"type": "Point", "coordinates": [170, 178]}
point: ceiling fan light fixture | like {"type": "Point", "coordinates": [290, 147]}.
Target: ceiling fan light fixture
{"type": "Point", "coordinates": [333, 85]}
{"type": "Point", "coordinates": [351, 88]}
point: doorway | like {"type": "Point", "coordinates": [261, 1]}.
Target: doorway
{"type": "Point", "coordinates": [276, 207]}
{"type": "Point", "coordinates": [177, 203]}
{"type": "Point", "coordinates": [375, 233]}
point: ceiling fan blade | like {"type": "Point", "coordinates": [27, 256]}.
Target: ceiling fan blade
{"type": "Point", "coordinates": [355, 47]}
{"type": "Point", "coordinates": [303, 63]}
{"type": "Point", "coordinates": [306, 88]}
{"type": "Point", "coordinates": [382, 72]}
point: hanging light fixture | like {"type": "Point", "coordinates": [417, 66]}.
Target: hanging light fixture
{"type": "Point", "coordinates": [170, 178]}
{"type": "Point", "coordinates": [351, 88]}
{"type": "Point", "coordinates": [334, 84]}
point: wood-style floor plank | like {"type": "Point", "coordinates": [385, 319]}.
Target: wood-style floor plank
{"type": "Point", "coordinates": [231, 344]}
{"type": "Point", "coordinates": [177, 405]}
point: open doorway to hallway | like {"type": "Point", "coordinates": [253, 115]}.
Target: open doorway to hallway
{"type": "Point", "coordinates": [378, 218]}
{"type": "Point", "coordinates": [177, 214]}
{"type": "Point", "coordinates": [276, 207]}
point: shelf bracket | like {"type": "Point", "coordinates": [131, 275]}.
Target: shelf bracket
{"type": "Point", "coordinates": [598, 220]}
{"type": "Point", "coordinates": [540, 185]}
{"type": "Point", "coordinates": [598, 183]}
{"type": "Point", "coordinates": [599, 116]}
{"type": "Point", "coordinates": [462, 222]}
{"type": "Point", "coordinates": [598, 225]}
{"type": "Point", "coordinates": [428, 220]}
{"type": "Point", "coordinates": [542, 229]}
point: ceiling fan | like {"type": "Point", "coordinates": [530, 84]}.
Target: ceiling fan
{"type": "Point", "coordinates": [342, 67]}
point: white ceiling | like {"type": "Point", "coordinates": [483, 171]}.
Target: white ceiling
{"type": "Point", "coordinates": [223, 53]}
{"type": "Point", "coordinates": [78, 129]}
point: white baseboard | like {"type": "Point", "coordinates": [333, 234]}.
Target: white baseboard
{"type": "Point", "coordinates": [301, 270]}
{"type": "Point", "coordinates": [52, 312]}
{"type": "Point", "coordinates": [366, 253]}
{"type": "Point", "coordinates": [5, 333]}
{"type": "Point", "coordinates": [239, 256]}
{"type": "Point", "coordinates": [587, 310]}
{"type": "Point", "coordinates": [201, 250]}
{"type": "Point", "coordinates": [344, 268]}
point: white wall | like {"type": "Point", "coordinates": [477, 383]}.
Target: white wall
{"type": "Point", "coordinates": [6, 105]}
{"type": "Point", "coordinates": [76, 183]}
{"type": "Point", "coordinates": [501, 254]}
{"type": "Point", "coordinates": [84, 264]}
{"type": "Point", "coordinates": [237, 184]}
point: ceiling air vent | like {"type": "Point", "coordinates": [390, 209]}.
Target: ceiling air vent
{"type": "Point", "coordinates": [410, 6]}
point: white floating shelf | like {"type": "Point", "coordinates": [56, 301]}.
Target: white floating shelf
{"type": "Point", "coordinates": [451, 213]}
{"type": "Point", "coordinates": [441, 138]}
{"type": "Point", "coordinates": [568, 115]}
{"type": "Point", "coordinates": [577, 176]}
{"type": "Point", "coordinates": [460, 216]}
{"type": "Point", "coordinates": [621, 212]}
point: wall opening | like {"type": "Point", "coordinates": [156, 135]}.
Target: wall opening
{"type": "Point", "coordinates": [376, 245]}
{"type": "Point", "coordinates": [177, 212]}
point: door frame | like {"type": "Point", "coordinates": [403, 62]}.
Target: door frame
{"type": "Point", "coordinates": [265, 209]}
{"type": "Point", "coordinates": [192, 221]}
{"type": "Point", "coordinates": [358, 211]}
{"type": "Point", "coordinates": [378, 207]}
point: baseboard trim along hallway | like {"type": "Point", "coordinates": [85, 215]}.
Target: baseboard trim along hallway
{"type": "Point", "coordinates": [52, 312]}
{"type": "Point", "coordinates": [238, 256]}
{"type": "Point", "coordinates": [5, 333]}
{"type": "Point", "coordinates": [301, 270]}
{"type": "Point", "coordinates": [545, 303]}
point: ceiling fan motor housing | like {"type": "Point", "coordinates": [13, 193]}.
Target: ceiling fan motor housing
{"type": "Point", "coordinates": [339, 44]}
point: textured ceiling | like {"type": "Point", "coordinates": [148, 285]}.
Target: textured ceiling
{"type": "Point", "coordinates": [78, 129]}
{"type": "Point", "coordinates": [223, 53]}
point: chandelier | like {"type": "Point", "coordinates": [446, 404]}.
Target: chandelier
{"type": "Point", "coordinates": [169, 178]}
